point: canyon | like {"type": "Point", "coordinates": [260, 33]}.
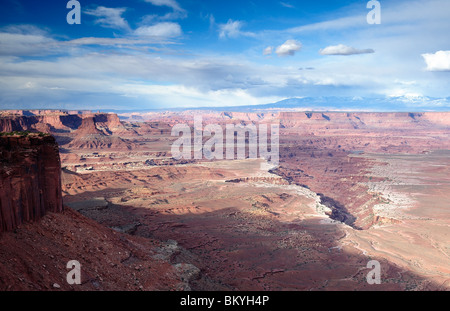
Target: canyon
{"type": "Point", "coordinates": [349, 188]}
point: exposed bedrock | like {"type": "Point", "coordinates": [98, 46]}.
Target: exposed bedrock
{"type": "Point", "coordinates": [30, 179]}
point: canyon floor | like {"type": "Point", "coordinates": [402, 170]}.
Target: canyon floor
{"type": "Point", "coordinates": [247, 226]}
{"type": "Point", "coordinates": [338, 199]}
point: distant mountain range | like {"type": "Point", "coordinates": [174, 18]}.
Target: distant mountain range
{"type": "Point", "coordinates": [332, 103]}
{"type": "Point", "coordinates": [388, 104]}
{"type": "Point", "coordinates": [322, 104]}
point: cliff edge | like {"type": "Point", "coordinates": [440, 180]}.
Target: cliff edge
{"type": "Point", "coordinates": [30, 178]}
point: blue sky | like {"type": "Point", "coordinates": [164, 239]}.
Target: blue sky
{"type": "Point", "coordinates": [145, 54]}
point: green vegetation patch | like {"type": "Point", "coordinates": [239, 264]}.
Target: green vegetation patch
{"type": "Point", "coordinates": [24, 133]}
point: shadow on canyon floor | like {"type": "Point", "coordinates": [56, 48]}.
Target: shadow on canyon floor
{"type": "Point", "coordinates": [236, 250]}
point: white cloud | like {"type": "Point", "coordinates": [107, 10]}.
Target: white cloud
{"type": "Point", "coordinates": [288, 48]}
{"type": "Point", "coordinates": [184, 96]}
{"type": "Point", "coordinates": [20, 43]}
{"type": "Point", "coordinates": [162, 30]}
{"type": "Point", "coordinates": [177, 13]}
{"type": "Point", "coordinates": [147, 19]}
{"type": "Point", "coordinates": [238, 78]}
{"type": "Point", "coordinates": [405, 96]}
{"type": "Point", "coordinates": [103, 41]}
{"type": "Point", "coordinates": [232, 29]}
{"type": "Point", "coordinates": [143, 43]}
{"type": "Point", "coordinates": [24, 29]}
{"type": "Point", "coordinates": [344, 50]}
{"type": "Point", "coordinates": [439, 61]}
{"type": "Point", "coordinates": [268, 50]}
{"type": "Point", "coordinates": [170, 3]}
{"type": "Point", "coordinates": [109, 17]}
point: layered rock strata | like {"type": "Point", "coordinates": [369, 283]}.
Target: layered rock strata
{"type": "Point", "coordinates": [30, 179]}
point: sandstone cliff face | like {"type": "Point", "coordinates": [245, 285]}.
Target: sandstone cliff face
{"type": "Point", "coordinates": [82, 131]}
{"type": "Point", "coordinates": [30, 179]}
{"type": "Point", "coordinates": [364, 120]}
{"type": "Point", "coordinates": [34, 254]}
{"type": "Point", "coordinates": [58, 122]}
{"type": "Point", "coordinates": [16, 123]}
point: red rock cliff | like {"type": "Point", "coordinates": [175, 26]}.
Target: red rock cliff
{"type": "Point", "coordinates": [61, 122]}
{"type": "Point", "coordinates": [30, 179]}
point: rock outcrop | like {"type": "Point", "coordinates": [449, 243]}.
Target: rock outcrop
{"type": "Point", "coordinates": [364, 120]}
{"type": "Point", "coordinates": [82, 130]}
{"type": "Point", "coordinates": [30, 179]}
{"type": "Point", "coordinates": [38, 236]}
{"type": "Point", "coordinates": [60, 122]}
